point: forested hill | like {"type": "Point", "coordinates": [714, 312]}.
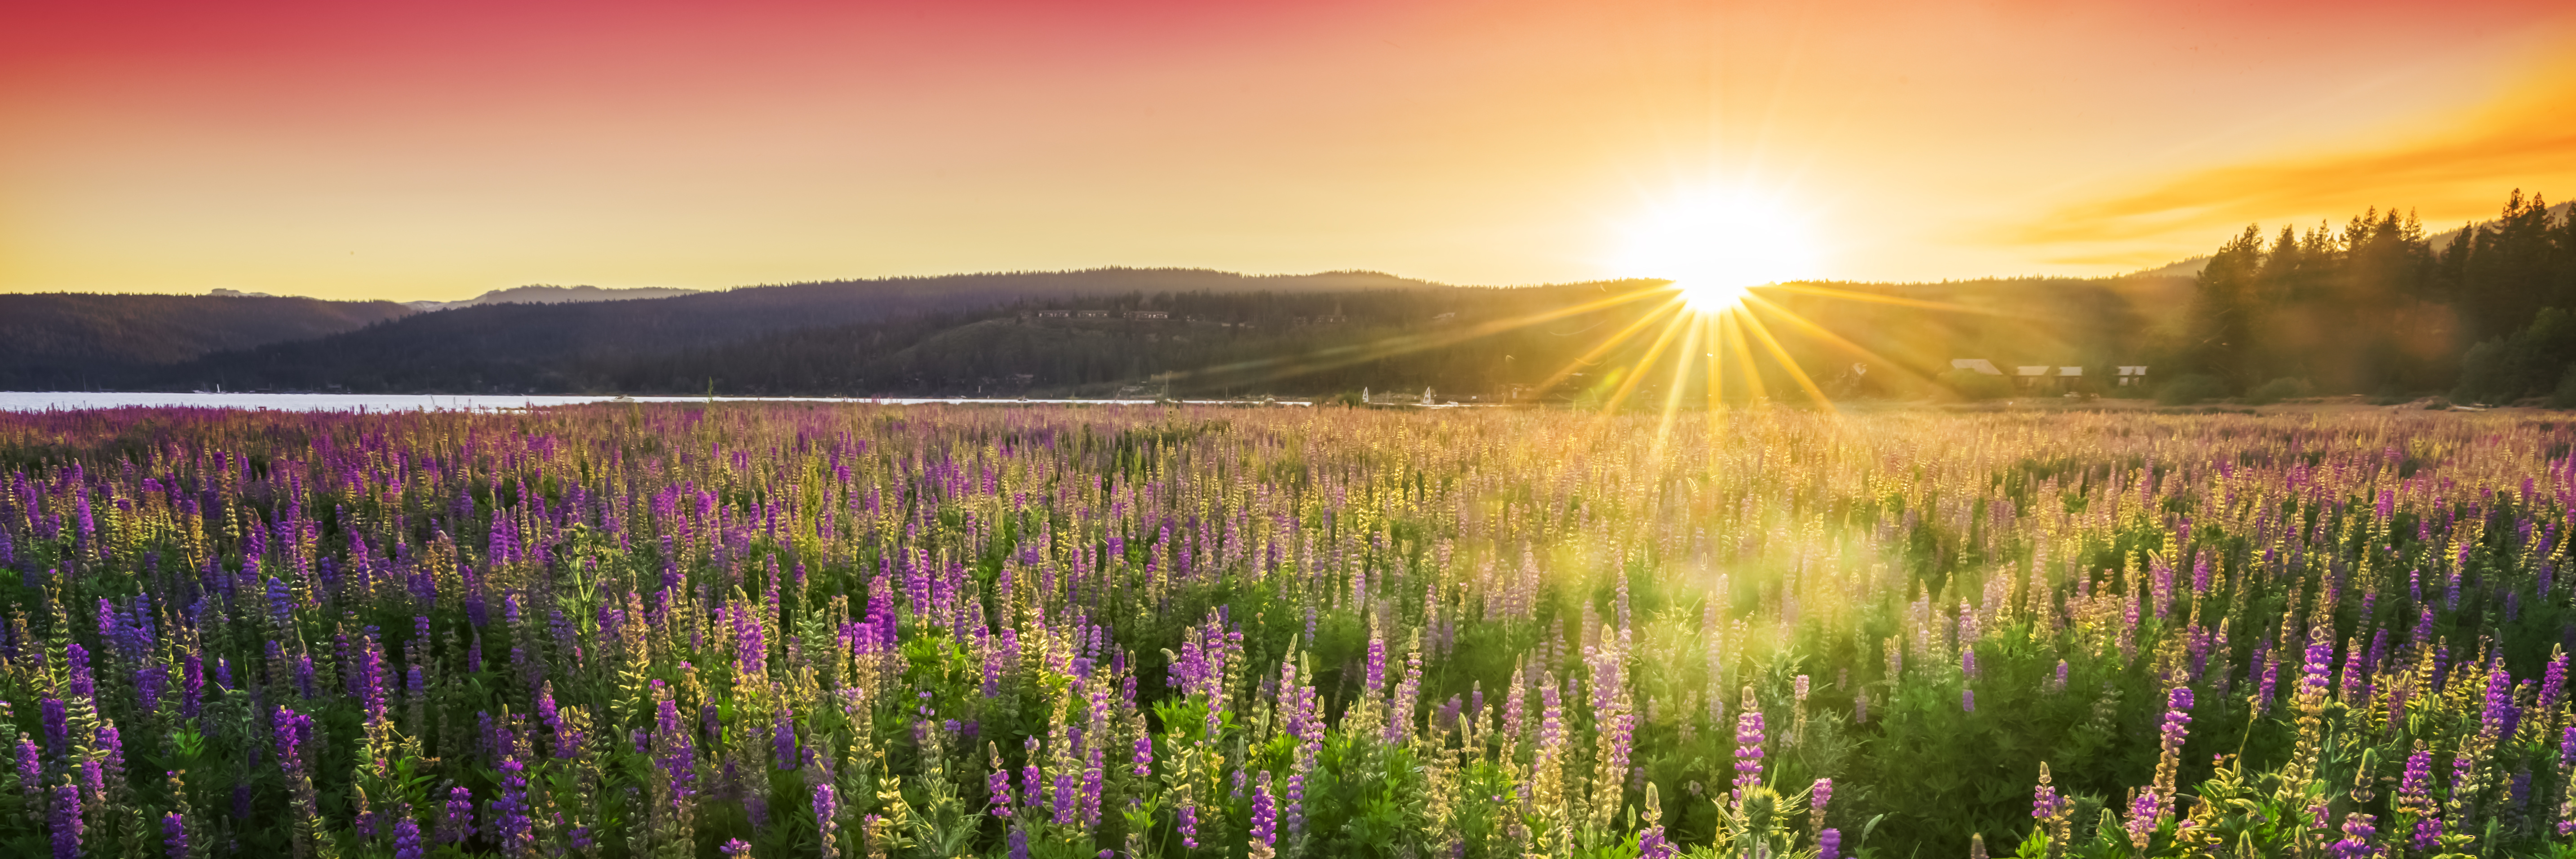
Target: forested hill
{"type": "Point", "coordinates": [2378, 306]}
{"type": "Point", "coordinates": [73, 340]}
{"type": "Point", "coordinates": [1187, 333]}
{"type": "Point", "coordinates": [569, 347]}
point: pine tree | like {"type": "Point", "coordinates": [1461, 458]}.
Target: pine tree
{"type": "Point", "coordinates": [2224, 312]}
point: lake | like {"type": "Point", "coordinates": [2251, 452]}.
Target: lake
{"type": "Point", "coordinates": [24, 401]}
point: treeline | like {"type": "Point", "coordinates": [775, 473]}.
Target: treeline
{"type": "Point", "coordinates": [2379, 307]}
{"type": "Point", "coordinates": [52, 341]}
{"type": "Point", "coordinates": [1207, 344]}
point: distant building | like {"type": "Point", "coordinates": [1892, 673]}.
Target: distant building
{"type": "Point", "coordinates": [1092, 314]}
{"type": "Point", "coordinates": [1054, 314]}
{"type": "Point", "coordinates": [1445, 318]}
{"type": "Point", "coordinates": [1149, 314]}
{"type": "Point", "coordinates": [2133, 375]}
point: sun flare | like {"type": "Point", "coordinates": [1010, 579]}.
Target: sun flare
{"type": "Point", "coordinates": [1715, 246]}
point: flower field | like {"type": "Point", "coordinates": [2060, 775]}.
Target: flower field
{"type": "Point", "coordinates": [834, 631]}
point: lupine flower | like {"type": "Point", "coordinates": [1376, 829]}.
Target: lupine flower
{"type": "Point", "coordinates": [58, 731]}
{"type": "Point", "coordinates": [1265, 817]}
{"type": "Point", "coordinates": [458, 823]}
{"type": "Point", "coordinates": [2428, 832]}
{"type": "Point", "coordinates": [1748, 745]}
{"type": "Point", "coordinates": [2553, 682]}
{"type": "Point", "coordinates": [783, 739]}
{"type": "Point", "coordinates": [511, 824]}
{"type": "Point", "coordinates": [407, 844]}
{"type": "Point", "coordinates": [2142, 818]}
{"type": "Point", "coordinates": [174, 835]}
{"type": "Point", "coordinates": [1829, 844]}
{"type": "Point", "coordinates": [827, 814]}
{"type": "Point", "coordinates": [31, 769]}
{"type": "Point", "coordinates": [2358, 832]}
{"type": "Point", "coordinates": [65, 822]}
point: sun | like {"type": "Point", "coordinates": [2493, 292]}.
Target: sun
{"type": "Point", "coordinates": [1715, 245]}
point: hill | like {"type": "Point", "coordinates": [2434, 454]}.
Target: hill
{"type": "Point", "coordinates": [1189, 333]}
{"type": "Point", "coordinates": [53, 341]}
{"type": "Point", "coordinates": [542, 294]}
{"type": "Point", "coordinates": [581, 346]}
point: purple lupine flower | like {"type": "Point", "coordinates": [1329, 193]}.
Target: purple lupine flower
{"type": "Point", "coordinates": [65, 822]}
{"type": "Point", "coordinates": [997, 790]}
{"type": "Point", "coordinates": [407, 838]}
{"type": "Point", "coordinates": [735, 847]}
{"type": "Point", "coordinates": [2496, 718]}
{"type": "Point", "coordinates": [2428, 832]}
{"type": "Point", "coordinates": [2142, 818]}
{"type": "Point", "coordinates": [2553, 682]}
{"type": "Point", "coordinates": [783, 739]}
{"type": "Point", "coordinates": [1748, 746]}
{"type": "Point", "coordinates": [83, 683]}
{"type": "Point", "coordinates": [1818, 796]}
{"type": "Point", "coordinates": [174, 835]}
{"type": "Point", "coordinates": [1651, 843]}
{"type": "Point", "coordinates": [112, 753]}
{"type": "Point", "coordinates": [1829, 844]}
{"type": "Point", "coordinates": [1189, 825]}
{"type": "Point", "coordinates": [510, 822]}
{"type": "Point", "coordinates": [679, 763]}
{"type": "Point", "coordinates": [1094, 784]}
{"type": "Point", "coordinates": [1375, 682]}
{"type": "Point", "coordinates": [2319, 664]}
{"type": "Point", "coordinates": [31, 767]}
{"type": "Point", "coordinates": [1062, 793]}
{"type": "Point", "coordinates": [1265, 812]}
{"type": "Point", "coordinates": [458, 822]}
{"type": "Point", "coordinates": [2177, 721]}
{"type": "Point", "coordinates": [281, 602]}
{"type": "Point", "coordinates": [2045, 803]}
{"type": "Point", "coordinates": [1019, 848]}
{"type": "Point", "coordinates": [827, 818]}
{"type": "Point", "coordinates": [2358, 832]}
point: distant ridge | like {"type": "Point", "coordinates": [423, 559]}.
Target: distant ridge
{"type": "Point", "coordinates": [59, 340]}
{"type": "Point", "coordinates": [545, 294]}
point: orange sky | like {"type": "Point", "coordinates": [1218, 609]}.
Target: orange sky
{"type": "Point", "coordinates": [414, 150]}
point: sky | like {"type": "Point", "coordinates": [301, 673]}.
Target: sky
{"type": "Point", "coordinates": [406, 150]}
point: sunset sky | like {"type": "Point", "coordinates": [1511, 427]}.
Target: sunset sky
{"type": "Point", "coordinates": [438, 150]}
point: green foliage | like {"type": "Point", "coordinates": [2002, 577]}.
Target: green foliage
{"type": "Point", "coordinates": [2191, 388]}
{"type": "Point", "coordinates": [2533, 361]}
{"type": "Point", "coordinates": [2279, 389]}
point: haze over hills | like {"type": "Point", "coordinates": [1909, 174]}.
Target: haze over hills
{"type": "Point", "coordinates": [2370, 307]}
{"type": "Point", "coordinates": [543, 294]}
{"type": "Point", "coordinates": [1097, 332]}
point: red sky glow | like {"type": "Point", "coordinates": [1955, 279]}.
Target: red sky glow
{"type": "Point", "coordinates": [418, 150]}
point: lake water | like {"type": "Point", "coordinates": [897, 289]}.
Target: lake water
{"type": "Point", "coordinates": [64, 400]}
